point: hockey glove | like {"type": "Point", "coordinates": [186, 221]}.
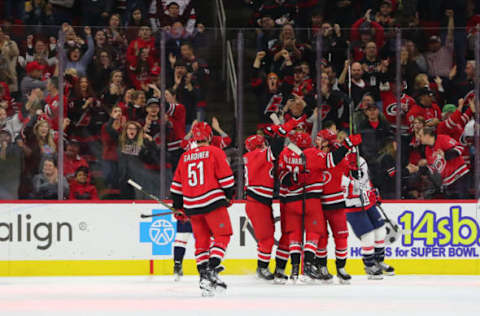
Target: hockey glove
{"type": "Point", "coordinates": [181, 216]}
{"type": "Point", "coordinates": [353, 140]}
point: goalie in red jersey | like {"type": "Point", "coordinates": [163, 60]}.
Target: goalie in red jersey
{"type": "Point", "coordinates": [203, 186]}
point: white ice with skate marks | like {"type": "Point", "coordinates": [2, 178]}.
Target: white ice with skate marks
{"type": "Point", "coordinates": [398, 295]}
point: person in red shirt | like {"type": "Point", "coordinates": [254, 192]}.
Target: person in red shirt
{"type": "Point", "coordinates": [444, 155]}
{"type": "Point", "coordinates": [203, 186]}
{"type": "Point", "coordinates": [425, 107]}
{"type": "Point", "coordinates": [72, 160]}
{"type": "Point", "coordinates": [80, 189]}
{"type": "Point", "coordinates": [144, 40]}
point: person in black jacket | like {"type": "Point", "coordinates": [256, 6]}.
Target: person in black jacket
{"type": "Point", "coordinates": [374, 133]}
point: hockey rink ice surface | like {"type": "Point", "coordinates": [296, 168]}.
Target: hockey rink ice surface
{"type": "Point", "coordinates": [159, 295]}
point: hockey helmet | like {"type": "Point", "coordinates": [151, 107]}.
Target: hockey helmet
{"type": "Point", "coordinates": [328, 135]}
{"type": "Point", "coordinates": [253, 142]}
{"type": "Point", "coordinates": [201, 131]}
{"type": "Point", "coordinates": [302, 140]}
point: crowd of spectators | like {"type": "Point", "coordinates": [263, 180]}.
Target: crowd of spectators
{"type": "Point", "coordinates": [112, 87]}
{"type": "Point", "coordinates": [358, 82]}
{"type": "Point", "coordinates": [111, 94]}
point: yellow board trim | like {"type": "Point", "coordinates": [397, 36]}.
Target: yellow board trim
{"type": "Point", "coordinates": [233, 266]}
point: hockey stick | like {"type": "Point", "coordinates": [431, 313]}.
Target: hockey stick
{"type": "Point", "coordinates": [155, 215]}
{"type": "Point", "coordinates": [153, 197]}
{"type": "Point", "coordinates": [394, 226]}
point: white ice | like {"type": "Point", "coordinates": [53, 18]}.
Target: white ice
{"type": "Point", "coordinates": [159, 295]}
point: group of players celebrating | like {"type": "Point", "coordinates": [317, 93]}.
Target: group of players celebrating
{"type": "Point", "coordinates": [320, 182]}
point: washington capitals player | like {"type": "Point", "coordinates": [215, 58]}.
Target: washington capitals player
{"type": "Point", "coordinates": [364, 218]}
{"type": "Point", "coordinates": [202, 186]}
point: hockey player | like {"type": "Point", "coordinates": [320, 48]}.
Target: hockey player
{"type": "Point", "coordinates": [364, 218]}
{"type": "Point", "coordinates": [203, 185]}
{"type": "Point", "coordinates": [301, 177]}
{"type": "Point", "coordinates": [333, 204]}
{"type": "Point", "coordinates": [259, 182]}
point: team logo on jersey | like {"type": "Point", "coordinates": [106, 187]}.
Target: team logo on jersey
{"type": "Point", "coordinates": [439, 163]}
{"type": "Point", "coordinates": [160, 232]}
{"type": "Point", "coordinates": [391, 109]}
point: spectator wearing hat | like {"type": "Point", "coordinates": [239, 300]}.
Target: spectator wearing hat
{"type": "Point", "coordinates": [374, 131]}
{"type": "Point", "coordinates": [8, 61]}
{"type": "Point", "coordinates": [425, 107]}
{"type": "Point", "coordinates": [45, 184]}
{"type": "Point", "coordinates": [33, 79]}
{"type": "Point", "coordinates": [80, 188]}
{"type": "Point", "coordinates": [440, 57]}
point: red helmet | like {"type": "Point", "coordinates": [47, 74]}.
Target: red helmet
{"type": "Point", "coordinates": [253, 142]}
{"type": "Point", "coordinates": [327, 135]}
{"type": "Point", "coordinates": [201, 131]}
{"type": "Point", "coordinates": [302, 140]}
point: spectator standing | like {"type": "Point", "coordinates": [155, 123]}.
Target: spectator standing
{"type": "Point", "coordinates": [8, 61]}
{"type": "Point", "coordinates": [440, 57]}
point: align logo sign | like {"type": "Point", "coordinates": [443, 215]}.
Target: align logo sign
{"type": "Point", "coordinates": [160, 232]}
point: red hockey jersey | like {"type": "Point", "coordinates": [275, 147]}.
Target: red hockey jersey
{"type": "Point", "coordinates": [332, 197]}
{"type": "Point", "coordinates": [428, 113]}
{"type": "Point", "coordinates": [389, 102]}
{"type": "Point", "coordinates": [259, 180]}
{"type": "Point", "coordinates": [203, 180]}
{"type": "Point", "coordinates": [176, 120]}
{"type": "Point", "coordinates": [452, 169]}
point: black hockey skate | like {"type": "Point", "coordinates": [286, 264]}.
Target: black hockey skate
{"type": "Point", "coordinates": [324, 275]}
{"type": "Point", "coordinates": [374, 272]}
{"type": "Point", "coordinates": [295, 272]}
{"type": "Point", "coordinates": [279, 277]}
{"type": "Point", "coordinates": [206, 285]}
{"type": "Point", "coordinates": [387, 270]}
{"type": "Point", "coordinates": [310, 273]}
{"type": "Point", "coordinates": [343, 276]}
{"type": "Point", "coordinates": [177, 271]}
{"type": "Point", "coordinates": [264, 274]}
{"type": "Point", "coordinates": [219, 285]}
